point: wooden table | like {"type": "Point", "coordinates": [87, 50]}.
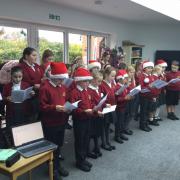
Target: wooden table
{"type": "Point", "coordinates": [25, 165]}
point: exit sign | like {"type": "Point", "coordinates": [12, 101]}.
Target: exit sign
{"type": "Point", "coordinates": [54, 17]}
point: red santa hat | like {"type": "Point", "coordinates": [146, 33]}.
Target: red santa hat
{"type": "Point", "coordinates": [121, 74]}
{"type": "Point", "coordinates": [58, 70]}
{"type": "Point", "coordinates": [94, 63]}
{"type": "Point", "coordinates": [161, 63]}
{"type": "Point", "coordinates": [147, 64]}
{"type": "Point", "coordinates": [82, 74]}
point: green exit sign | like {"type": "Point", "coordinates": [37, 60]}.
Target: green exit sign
{"type": "Point", "coordinates": [54, 17]}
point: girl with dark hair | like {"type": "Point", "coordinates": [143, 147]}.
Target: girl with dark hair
{"type": "Point", "coordinates": [32, 74]}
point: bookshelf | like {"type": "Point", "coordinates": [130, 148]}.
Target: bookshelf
{"type": "Point", "coordinates": [133, 53]}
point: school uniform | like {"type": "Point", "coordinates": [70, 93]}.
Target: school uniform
{"type": "Point", "coordinates": [51, 95]}
{"type": "Point", "coordinates": [16, 113]}
{"type": "Point", "coordinates": [32, 74]}
{"type": "Point", "coordinates": [162, 97]}
{"type": "Point", "coordinates": [108, 89]}
{"type": "Point", "coordinates": [81, 122]}
{"type": "Point", "coordinates": [173, 89]}
{"type": "Point", "coordinates": [96, 123]}
{"type": "Point", "coordinates": [122, 116]}
{"type": "Point", "coordinates": [148, 100]}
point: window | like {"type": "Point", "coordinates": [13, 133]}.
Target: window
{"type": "Point", "coordinates": [77, 47]}
{"type": "Point", "coordinates": [54, 41]}
{"type": "Point", "coordinates": [97, 43]}
{"type": "Point", "coordinates": [13, 40]}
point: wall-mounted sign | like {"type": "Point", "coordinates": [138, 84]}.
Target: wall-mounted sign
{"type": "Point", "coordinates": [54, 17]}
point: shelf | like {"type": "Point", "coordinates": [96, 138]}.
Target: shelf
{"type": "Point", "coordinates": [136, 57]}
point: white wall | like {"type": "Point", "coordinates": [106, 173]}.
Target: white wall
{"type": "Point", "coordinates": [153, 37]}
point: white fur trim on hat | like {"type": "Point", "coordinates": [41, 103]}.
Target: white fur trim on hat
{"type": "Point", "coordinates": [94, 64]}
{"type": "Point", "coordinates": [59, 76]}
{"type": "Point", "coordinates": [148, 64]}
{"type": "Point", "coordinates": [146, 80]}
{"type": "Point", "coordinates": [163, 64]}
{"type": "Point", "coordinates": [122, 77]}
{"type": "Point", "coordinates": [83, 78]}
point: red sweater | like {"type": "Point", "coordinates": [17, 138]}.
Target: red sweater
{"type": "Point", "coordinates": [85, 103]}
{"type": "Point", "coordinates": [145, 80]}
{"type": "Point", "coordinates": [51, 96]}
{"type": "Point", "coordinates": [30, 76]}
{"type": "Point", "coordinates": [120, 99]}
{"type": "Point", "coordinates": [173, 86]}
{"type": "Point", "coordinates": [106, 89]}
{"type": "Point", "coordinates": [9, 105]}
{"type": "Point", "coordinates": [95, 97]}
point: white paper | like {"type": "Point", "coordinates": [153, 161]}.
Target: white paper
{"type": "Point", "coordinates": [71, 106]}
{"type": "Point", "coordinates": [19, 96]}
{"type": "Point", "coordinates": [135, 91]}
{"type": "Point", "coordinates": [109, 109]}
{"type": "Point", "coordinates": [145, 90]}
{"type": "Point", "coordinates": [0, 97]}
{"type": "Point", "coordinates": [67, 82]}
{"type": "Point", "coordinates": [174, 80]}
{"type": "Point", "coordinates": [120, 90]}
{"type": "Point", "coordinates": [101, 102]}
{"type": "Point", "coordinates": [159, 84]}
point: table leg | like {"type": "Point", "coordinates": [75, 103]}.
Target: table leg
{"type": "Point", "coordinates": [51, 169]}
{"type": "Point", "coordinates": [13, 177]}
{"type": "Point", "coordinates": [30, 175]}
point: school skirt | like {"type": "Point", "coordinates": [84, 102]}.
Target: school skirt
{"type": "Point", "coordinates": [172, 98]}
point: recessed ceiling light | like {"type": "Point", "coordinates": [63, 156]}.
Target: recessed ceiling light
{"type": "Point", "coordinates": [98, 2]}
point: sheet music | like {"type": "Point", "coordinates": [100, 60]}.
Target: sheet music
{"type": "Point", "coordinates": [71, 106]}
{"type": "Point", "coordinates": [174, 80]}
{"type": "Point", "coordinates": [101, 102]}
{"type": "Point", "coordinates": [67, 82]}
{"type": "Point", "coordinates": [19, 96]}
{"type": "Point", "coordinates": [159, 84]}
{"type": "Point", "coordinates": [109, 109]}
{"type": "Point", "coordinates": [118, 92]}
{"type": "Point", "coordinates": [135, 91]}
{"type": "Point", "coordinates": [145, 90]}
{"type": "Point", "coordinates": [0, 97]}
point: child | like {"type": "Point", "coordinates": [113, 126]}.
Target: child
{"type": "Point", "coordinates": [161, 99]}
{"type": "Point", "coordinates": [153, 120]}
{"type": "Point", "coordinates": [122, 98]}
{"type": "Point", "coordinates": [131, 104]}
{"type": "Point", "coordinates": [82, 117]}
{"type": "Point", "coordinates": [96, 122]}
{"type": "Point", "coordinates": [172, 91]}
{"type": "Point", "coordinates": [94, 66]}
{"type": "Point", "coordinates": [147, 101]}
{"type": "Point", "coordinates": [16, 113]}
{"type": "Point", "coordinates": [107, 87]}
{"type": "Point", "coordinates": [53, 114]}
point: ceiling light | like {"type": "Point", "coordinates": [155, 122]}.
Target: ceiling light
{"type": "Point", "coordinates": [98, 2]}
{"type": "Point", "coordinates": [169, 8]}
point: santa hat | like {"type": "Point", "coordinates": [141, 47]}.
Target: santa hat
{"type": "Point", "coordinates": [82, 74]}
{"type": "Point", "coordinates": [94, 63]}
{"type": "Point", "coordinates": [161, 62]}
{"type": "Point", "coordinates": [147, 64]}
{"type": "Point", "coordinates": [58, 70]}
{"type": "Point", "coordinates": [121, 74]}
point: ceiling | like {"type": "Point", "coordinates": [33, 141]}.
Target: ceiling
{"type": "Point", "coordinates": [121, 9]}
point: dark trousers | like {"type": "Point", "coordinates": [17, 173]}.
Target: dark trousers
{"type": "Point", "coordinates": [55, 135]}
{"type": "Point", "coordinates": [120, 123]}
{"type": "Point", "coordinates": [146, 106]}
{"type": "Point", "coordinates": [107, 120]}
{"type": "Point", "coordinates": [81, 138]}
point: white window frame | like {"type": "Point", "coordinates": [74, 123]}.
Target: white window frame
{"type": "Point", "coordinates": [32, 35]}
